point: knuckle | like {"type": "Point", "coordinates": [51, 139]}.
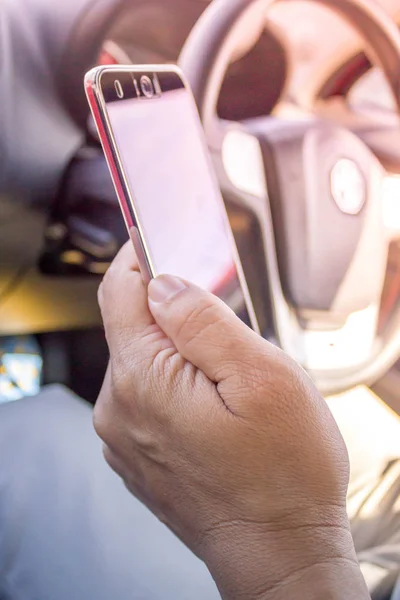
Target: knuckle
{"type": "Point", "coordinates": [109, 457]}
{"type": "Point", "coordinates": [100, 295]}
{"type": "Point", "coordinates": [101, 422]}
{"type": "Point", "coordinates": [296, 390]}
{"type": "Point", "coordinates": [106, 282]}
{"type": "Point", "coordinates": [104, 291]}
{"type": "Point", "coordinates": [105, 415]}
{"type": "Point", "coordinates": [249, 370]}
{"type": "Point", "coordinates": [200, 318]}
{"type": "Point", "coordinates": [269, 381]}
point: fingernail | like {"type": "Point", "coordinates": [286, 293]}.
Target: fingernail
{"type": "Point", "coordinates": [165, 288]}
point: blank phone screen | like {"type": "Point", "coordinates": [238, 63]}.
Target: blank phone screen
{"type": "Point", "coordinates": [170, 184]}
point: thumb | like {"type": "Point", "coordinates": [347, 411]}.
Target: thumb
{"type": "Point", "coordinates": [204, 330]}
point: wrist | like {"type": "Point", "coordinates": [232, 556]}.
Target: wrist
{"type": "Point", "coordinates": [334, 579]}
{"type": "Point", "coordinates": [313, 562]}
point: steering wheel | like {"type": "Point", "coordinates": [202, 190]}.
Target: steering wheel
{"type": "Point", "coordinates": [316, 191]}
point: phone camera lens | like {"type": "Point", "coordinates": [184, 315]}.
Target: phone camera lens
{"type": "Point", "coordinates": [146, 86]}
{"type": "Point", "coordinates": [118, 89]}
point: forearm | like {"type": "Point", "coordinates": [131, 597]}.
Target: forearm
{"type": "Point", "coordinates": [315, 564]}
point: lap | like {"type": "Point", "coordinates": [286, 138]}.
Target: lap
{"type": "Point", "coordinates": [68, 527]}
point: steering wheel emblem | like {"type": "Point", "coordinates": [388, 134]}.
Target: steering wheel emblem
{"type": "Point", "coordinates": [348, 186]}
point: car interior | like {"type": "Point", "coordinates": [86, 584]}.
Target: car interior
{"type": "Point", "coordinates": [286, 107]}
{"type": "Point", "coordinates": [300, 105]}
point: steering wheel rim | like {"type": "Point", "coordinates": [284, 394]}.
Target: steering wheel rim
{"type": "Point", "coordinates": [206, 56]}
{"type": "Point", "coordinates": [205, 60]}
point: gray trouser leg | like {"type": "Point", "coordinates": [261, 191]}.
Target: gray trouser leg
{"type": "Point", "coordinates": [69, 530]}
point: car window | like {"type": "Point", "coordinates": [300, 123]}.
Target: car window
{"type": "Point", "coordinates": [372, 89]}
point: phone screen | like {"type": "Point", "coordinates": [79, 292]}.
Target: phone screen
{"type": "Point", "coordinates": [170, 183]}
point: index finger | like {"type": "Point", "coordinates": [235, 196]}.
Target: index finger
{"type": "Point", "coordinates": [123, 301]}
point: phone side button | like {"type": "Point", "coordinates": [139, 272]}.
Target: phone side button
{"type": "Point", "coordinates": [140, 253]}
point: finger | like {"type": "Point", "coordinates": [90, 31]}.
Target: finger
{"type": "Point", "coordinates": [136, 478]}
{"type": "Point", "coordinates": [109, 420]}
{"type": "Point", "coordinates": [126, 256]}
{"type": "Point", "coordinates": [202, 327]}
{"type": "Point", "coordinates": [123, 301]}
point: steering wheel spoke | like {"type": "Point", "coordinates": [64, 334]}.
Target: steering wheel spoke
{"type": "Point", "coordinates": [314, 191]}
{"type": "Point", "coordinates": [311, 337]}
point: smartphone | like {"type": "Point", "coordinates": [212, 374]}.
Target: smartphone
{"type": "Point", "coordinates": [163, 175]}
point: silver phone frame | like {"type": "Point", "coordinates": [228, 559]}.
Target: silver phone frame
{"type": "Point", "coordinates": [93, 84]}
